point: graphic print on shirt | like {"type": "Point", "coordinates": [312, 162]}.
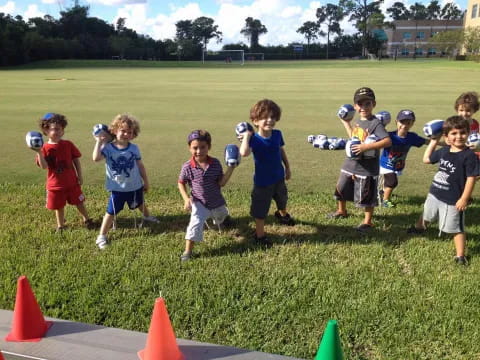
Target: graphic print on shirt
{"type": "Point", "coordinates": [359, 133]}
{"type": "Point", "coordinates": [396, 160]}
{"type": "Point", "coordinates": [445, 169]}
{"type": "Point", "coordinates": [122, 167]}
{"type": "Point", "coordinates": [57, 165]}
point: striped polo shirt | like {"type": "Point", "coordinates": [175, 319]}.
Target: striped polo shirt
{"type": "Point", "coordinates": [204, 183]}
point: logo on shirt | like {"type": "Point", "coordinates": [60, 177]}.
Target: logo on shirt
{"type": "Point", "coordinates": [123, 165]}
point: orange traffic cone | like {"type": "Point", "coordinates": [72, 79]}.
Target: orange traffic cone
{"type": "Point", "coordinates": [161, 341]}
{"type": "Point", "coordinates": [1, 356]}
{"type": "Point", "coordinates": [28, 322]}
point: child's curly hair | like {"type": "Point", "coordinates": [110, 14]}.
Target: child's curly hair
{"type": "Point", "coordinates": [125, 119]}
{"type": "Point", "coordinates": [52, 118]}
{"type": "Point", "coordinates": [264, 108]}
{"type": "Point", "coordinates": [469, 99]}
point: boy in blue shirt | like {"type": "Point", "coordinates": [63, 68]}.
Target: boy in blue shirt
{"type": "Point", "coordinates": [392, 160]}
{"type": "Point", "coordinates": [271, 167]}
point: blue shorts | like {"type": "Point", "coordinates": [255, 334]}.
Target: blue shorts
{"type": "Point", "coordinates": [118, 199]}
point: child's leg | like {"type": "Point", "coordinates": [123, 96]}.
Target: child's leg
{"type": "Point", "coordinates": [387, 192]}
{"type": "Point", "coordinates": [459, 240]}
{"type": "Point", "coordinates": [106, 224]}
{"type": "Point", "coordinates": [342, 207]}
{"type": "Point", "coordinates": [60, 216]}
{"type": "Point", "coordinates": [189, 244]}
{"type": "Point", "coordinates": [83, 211]}
{"type": "Point", "coordinates": [368, 215]}
{"type": "Point", "coordinates": [260, 228]}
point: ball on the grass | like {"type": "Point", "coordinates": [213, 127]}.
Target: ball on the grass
{"type": "Point", "coordinates": [310, 139]}
{"type": "Point", "coordinates": [34, 140]}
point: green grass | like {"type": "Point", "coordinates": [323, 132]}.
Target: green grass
{"type": "Point", "coordinates": [395, 297]}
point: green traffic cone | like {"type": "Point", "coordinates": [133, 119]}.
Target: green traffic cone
{"type": "Point", "coordinates": [330, 347]}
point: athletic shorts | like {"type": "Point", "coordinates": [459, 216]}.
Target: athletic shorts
{"type": "Point", "coordinates": [450, 220]}
{"type": "Point", "coordinates": [390, 180]}
{"type": "Point", "coordinates": [199, 215]}
{"type": "Point", "coordinates": [118, 199]}
{"type": "Point", "coordinates": [57, 199]}
{"type": "Point", "coordinates": [262, 197]}
{"type": "Point", "coordinates": [362, 190]}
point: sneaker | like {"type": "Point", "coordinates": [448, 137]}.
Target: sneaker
{"type": "Point", "coordinates": [364, 228]}
{"type": "Point", "coordinates": [101, 242]}
{"type": "Point", "coordinates": [461, 260]}
{"type": "Point", "coordinates": [336, 215]}
{"type": "Point", "coordinates": [89, 224]}
{"type": "Point", "coordinates": [151, 219]}
{"type": "Point", "coordinates": [414, 230]}
{"type": "Point", "coordinates": [263, 240]}
{"type": "Point", "coordinates": [388, 204]}
{"type": "Point", "coordinates": [60, 229]}
{"type": "Point", "coordinates": [186, 256]}
{"type": "Point", "coordinates": [284, 220]}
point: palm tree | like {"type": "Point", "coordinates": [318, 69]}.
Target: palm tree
{"type": "Point", "coordinates": [252, 30]}
{"type": "Point", "coordinates": [331, 15]}
{"type": "Point", "coordinates": [310, 29]}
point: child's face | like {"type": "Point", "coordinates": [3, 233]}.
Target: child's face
{"type": "Point", "coordinates": [465, 111]}
{"type": "Point", "coordinates": [124, 134]}
{"type": "Point", "coordinates": [365, 108]}
{"type": "Point", "coordinates": [199, 150]}
{"type": "Point", "coordinates": [54, 132]}
{"type": "Point", "coordinates": [404, 127]}
{"type": "Point", "coordinates": [265, 125]}
{"type": "Point", "coordinates": [457, 138]}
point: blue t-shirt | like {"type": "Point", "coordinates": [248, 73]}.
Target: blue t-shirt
{"type": "Point", "coordinates": [393, 158]}
{"type": "Point", "coordinates": [268, 158]}
{"type": "Point", "coordinates": [121, 168]}
{"type": "Point", "coordinates": [453, 169]}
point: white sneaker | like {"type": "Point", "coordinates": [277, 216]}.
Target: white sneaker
{"type": "Point", "coordinates": [101, 242]}
{"type": "Point", "coordinates": [151, 219]}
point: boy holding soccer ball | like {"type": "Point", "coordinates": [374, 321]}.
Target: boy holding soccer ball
{"type": "Point", "coordinates": [359, 173]}
{"type": "Point", "coordinates": [204, 175]}
{"type": "Point", "coordinates": [64, 179]}
{"type": "Point", "coordinates": [269, 154]}
{"type": "Point", "coordinates": [126, 177]}
{"type": "Point", "coordinates": [452, 185]}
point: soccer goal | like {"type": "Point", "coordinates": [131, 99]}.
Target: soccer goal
{"type": "Point", "coordinates": [224, 56]}
{"type": "Point", "coordinates": [254, 56]}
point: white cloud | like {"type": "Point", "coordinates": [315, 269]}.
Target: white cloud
{"type": "Point", "coordinates": [117, 2]}
{"type": "Point", "coordinates": [8, 8]}
{"type": "Point", "coordinates": [32, 11]}
{"type": "Point", "coordinates": [61, 2]}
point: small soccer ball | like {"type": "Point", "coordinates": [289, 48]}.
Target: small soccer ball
{"type": "Point", "coordinates": [384, 117]}
{"type": "Point", "coordinates": [232, 155]}
{"type": "Point", "coordinates": [346, 112]}
{"type": "Point", "coordinates": [242, 128]}
{"type": "Point", "coordinates": [332, 142]}
{"type": "Point", "coordinates": [370, 139]}
{"type": "Point", "coordinates": [473, 141]}
{"type": "Point", "coordinates": [341, 144]}
{"type": "Point", "coordinates": [321, 142]}
{"type": "Point", "coordinates": [99, 128]}
{"type": "Point", "coordinates": [34, 140]}
{"type": "Point", "coordinates": [348, 147]}
{"type": "Point", "coordinates": [433, 129]}
{"type": "Point", "coordinates": [310, 139]}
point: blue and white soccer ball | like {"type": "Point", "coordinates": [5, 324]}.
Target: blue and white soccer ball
{"type": "Point", "coordinates": [369, 140]}
{"type": "Point", "coordinates": [332, 142]}
{"type": "Point", "coordinates": [433, 129]}
{"type": "Point", "coordinates": [473, 141]}
{"type": "Point", "coordinates": [311, 139]}
{"type": "Point", "coordinates": [242, 128]}
{"type": "Point", "coordinates": [384, 117]}
{"type": "Point", "coordinates": [341, 143]}
{"type": "Point", "coordinates": [99, 128]}
{"type": "Point", "coordinates": [321, 142]}
{"type": "Point", "coordinates": [34, 140]}
{"type": "Point", "coordinates": [232, 155]}
{"type": "Point", "coordinates": [348, 147]}
{"type": "Point", "coordinates": [346, 112]}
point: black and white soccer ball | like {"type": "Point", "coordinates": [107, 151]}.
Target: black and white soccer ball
{"type": "Point", "coordinates": [232, 155]}
{"type": "Point", "coordinates": [346, 112]}
{"type": "Point", "coordinates": [384, 117]}
{"type": "Point", "coordinates": [311, 139]}
{"type": "Point", "coordinates": [242, 128]}
{"type": "Point", "coordinates": [473, 141]}
{"type": "Point", "coordinates": [34, 140]}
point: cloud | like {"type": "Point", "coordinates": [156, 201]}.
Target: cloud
{"type": "Point", "coordinates": [117, 2]}
{"type": "Point", "coordinates": [8, 8]}
{"type": "Point", "coordinates": [33, 11]}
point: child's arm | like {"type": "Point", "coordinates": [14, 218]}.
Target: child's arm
{"type": "Point", "coordinates": [384, 143]}
{"type": "Point", "coordinates": [41, 161]}
{"type": "Point", "coordinates": [143, 174]}
{"type": "Point", "coordinates": [187, 205]}
{"type": "Point", "coordinates": [245, 147]}
{"type": "Point", "coordinates": [348, 127]}
{"type": "Point", "coordinates": [78, 169]}
{"type": "Point", "coordinates": [97, 149]}
{"type": "Point", "coordinates": [288, 173]}
{"type": "Point", "coordinates": [462, 203]}
{"type": "Point", "coordinates": [224, 179]}
{"type": "Point", "coordinates": [429, 150]}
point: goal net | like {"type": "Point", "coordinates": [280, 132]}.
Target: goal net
{"type": "Point", "coordinates": [224, 56]}
{"type": "Point", "coordinates": [254, 56]}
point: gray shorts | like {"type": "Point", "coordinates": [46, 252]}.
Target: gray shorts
{"type": "Point", "coordinates": [362, 190]}
{"type": "Point", "coordinates": [262, 197]}
{"type": "Point", "coordinates": [450, 220]}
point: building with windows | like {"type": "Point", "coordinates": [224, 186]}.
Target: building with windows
{"type": "Point", "coordinates": [472, 15]}
{"type": "Point", "coordinates": [411, 38]}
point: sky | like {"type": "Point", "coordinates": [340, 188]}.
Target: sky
{"type": "Point", "coordinates": [157, 18]}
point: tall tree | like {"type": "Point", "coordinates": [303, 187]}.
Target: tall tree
{"type": "Point", "coordinates": [309, 29]}
{"type": "Point", "coordinates": [73, 21]}
{"type": "Point", "coordinates": [330, 15]}
{"type": "Point", "coordinates": [184, 30]}
{"type": "Point", "coordinates": [450, 12]}
{"type": "Point", "coordinates": [433, 10]}
{"type": "Point", "coordinates": [252, 30]}
{"type": "Point", "coordinates": [204, 29]}
{"type": "Point", "coordinates": [398, 11]}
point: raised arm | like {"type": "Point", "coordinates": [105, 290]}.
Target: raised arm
{"type": "Point", "coordinates": [97, 149]}
{"type": "Point", "coordinates": [429, 150]}
{"type": "Point", "coordinates": [245, 147]}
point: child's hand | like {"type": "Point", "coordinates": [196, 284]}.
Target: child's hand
{"type": "Point", "coordinates": [146, 186]}
{"type": "Point", "coordinates": [461, 204]}
{"type": "Point", "coordinates": [288, 174]}
{"type": "Point", "coordinates": [358, 149]}
{"type": "Point", "coordinates": [187, 206]}
{"type": "Point", "coordinates": [80, 179]}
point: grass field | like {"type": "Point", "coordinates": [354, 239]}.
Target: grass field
{"type": "Point", "coordinates": [395, 297]}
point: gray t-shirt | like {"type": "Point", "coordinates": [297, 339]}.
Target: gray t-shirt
{"type": "Point", "coordinates": [366, 165]}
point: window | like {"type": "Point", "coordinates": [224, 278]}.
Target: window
{"type": "Point", "coordinates": [407, 35]}
{"type": "Point", "coordinates": [405, 52]}
{"type": "Point", "coordinates": [421, 35]}
{"type": "Point", "coordinates": [432, 51]}
{"type": "Point", "coordinates": [418, 51]}
{"type": "Point", "coordinates": [474, 11]}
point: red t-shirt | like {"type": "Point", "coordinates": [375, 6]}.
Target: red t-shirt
{"type": "Point", "coordinates": [474, 127]}
{"type": "Point", "coordinates": [61, 172]}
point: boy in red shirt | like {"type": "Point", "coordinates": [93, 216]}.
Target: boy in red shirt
{"type": "Point", "coordinates": [64, 177]}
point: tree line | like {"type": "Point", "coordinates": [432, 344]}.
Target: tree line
{"type": "Point", "coordinates": [76, 35]}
